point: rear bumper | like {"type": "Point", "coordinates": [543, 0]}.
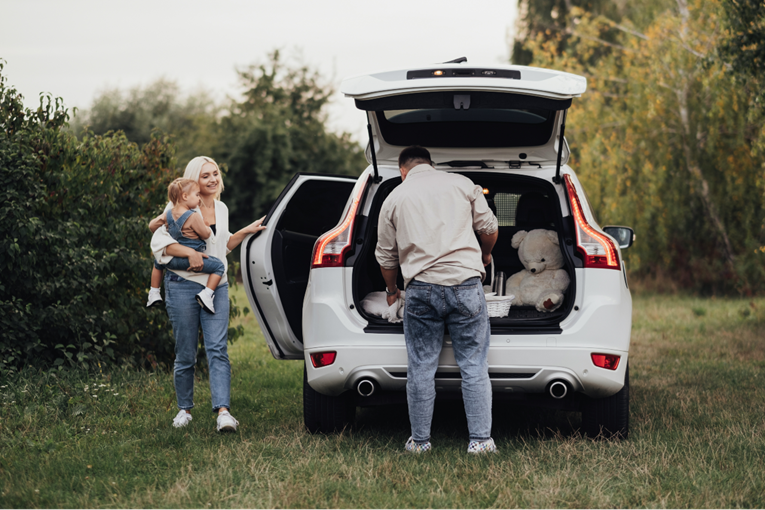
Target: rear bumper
{"type": "Point", "coordinates": [518, 363]}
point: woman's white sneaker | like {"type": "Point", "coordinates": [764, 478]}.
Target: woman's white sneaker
{"type": "Point", "coordinates": [181, 419]}
{"type": "Point", "coordinates": [226, 422]}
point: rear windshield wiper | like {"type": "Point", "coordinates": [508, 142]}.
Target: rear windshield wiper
{"type": "Point", "coordinates": [463, 164]}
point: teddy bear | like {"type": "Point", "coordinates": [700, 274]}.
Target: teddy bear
{"type": "Point", "coordinates": [543, 282]}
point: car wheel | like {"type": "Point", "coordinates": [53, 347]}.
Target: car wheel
{"type": "Point", "coordinates": [326, 414]}
{"type": "Point", "coordinates": [608, 418]}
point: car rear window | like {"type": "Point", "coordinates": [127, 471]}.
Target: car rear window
{"type": "Point", "coordinates": [470, 119]}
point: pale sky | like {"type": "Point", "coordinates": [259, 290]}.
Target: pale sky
{"type": "Point", "coordinates": [76, 48]}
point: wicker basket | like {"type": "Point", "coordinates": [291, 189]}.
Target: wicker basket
{"type": "Point", "coordinates": [499, 306]}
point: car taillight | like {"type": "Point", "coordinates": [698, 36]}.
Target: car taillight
{"type": "Point", "coordinates": [607, 361]}
{"type": "Point", "coordinates": [322, 359]}
{"type": "Point", "coordinates": [596, 248]}
{"type": "Point", "coordinates": [331, 248]}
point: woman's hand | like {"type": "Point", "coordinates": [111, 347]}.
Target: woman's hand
{"type": "Point", "coordinates": [197, 262]}
{"type": "Point", "coordinates": [255, 226]}
{"type": "Point", "coordinates": [236, 239]}
{"type": "Point", "coordinates": [196, 259]}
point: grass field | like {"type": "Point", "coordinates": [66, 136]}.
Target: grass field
{"type": "Point", "coordinates": [697, 435]}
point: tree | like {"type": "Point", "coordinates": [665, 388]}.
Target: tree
{"type": "Point", "coordinates": [663, 140]}
{"type": "Point", "coordinates": [743, 44]}
{"type": "Point", "coordinates": [190, 120]}
{"type": "Point", "coordinates": [554, 19]}
{"type": "Point", "coordinates": [74, 255]}
{"type": "Point", "coordinates": [276, 129]}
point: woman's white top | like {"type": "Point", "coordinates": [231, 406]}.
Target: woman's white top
{"type": "Point", "coordinates": [217, 245]}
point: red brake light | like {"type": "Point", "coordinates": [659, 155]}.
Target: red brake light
{"type": "Point", "coordinates": [331, 248]}
{"type": "Point", "coordinates": [596, 248]}
{"type": "Point", "coordinates": [322, 359]}
{"type": "Point", "coordinates": [607, 361]}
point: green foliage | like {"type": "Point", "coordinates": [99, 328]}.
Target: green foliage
{"type": "Point", "coordinates": [744, 43]}
{"type": "Point", "coordinates": [278, 128]}
{"type": "Point", "coordinates": [74, 258]}
{"type": "Point", "coordinates": [554, 19]}
{"type": "Point", "coordinates": [664, 140]}
{"type": "Point", "coordinates": [191, 120]}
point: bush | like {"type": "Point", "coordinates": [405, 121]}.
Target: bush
{"type": "Point", "coordinates": [74, 258]}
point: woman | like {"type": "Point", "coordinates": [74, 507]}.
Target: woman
{"type": "Point", "coordinates": [181, 288]}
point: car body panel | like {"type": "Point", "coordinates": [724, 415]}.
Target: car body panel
{"type": "Point", "coordinates": [534, 81]}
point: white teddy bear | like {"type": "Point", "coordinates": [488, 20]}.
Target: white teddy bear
{"type": "Point", "coordinates": [543, 282]}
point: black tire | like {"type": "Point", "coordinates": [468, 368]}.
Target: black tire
{"type": "Point", "coordinates": [322, 413]}
{"type": "Point", "coordinates": [608, 418]}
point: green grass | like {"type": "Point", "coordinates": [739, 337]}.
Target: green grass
{"type": "Point", "coordinates": [697, 435]}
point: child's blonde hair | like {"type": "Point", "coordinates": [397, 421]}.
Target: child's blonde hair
{"type": "Point", "coordinates": [178, 187]}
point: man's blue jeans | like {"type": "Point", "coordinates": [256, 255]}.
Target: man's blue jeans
{"type": "Point", "coordinates": [461, 309]}
{"type": "Point", "coordinates": [187, 317]}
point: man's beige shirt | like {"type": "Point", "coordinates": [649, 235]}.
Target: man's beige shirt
{"type": "Point", "coordinates": [427, 226]}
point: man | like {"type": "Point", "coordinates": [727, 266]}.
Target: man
{"type": "Point", "coordinates": [426, 227]}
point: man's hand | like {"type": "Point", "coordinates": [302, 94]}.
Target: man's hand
{"type": "Point", "coordinates": [390, 276]}
{"type": "Point", "coordinates": [393, 298]}
{"type": "Point", "coordinates": [196, 261]}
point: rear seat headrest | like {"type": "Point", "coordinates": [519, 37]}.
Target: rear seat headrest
{"type": "Point", "coordinates": [533, 210]}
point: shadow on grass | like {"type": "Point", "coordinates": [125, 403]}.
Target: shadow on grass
{"type": "Point", "coordinates": [509, 421]}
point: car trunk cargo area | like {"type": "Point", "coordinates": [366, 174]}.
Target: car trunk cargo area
{"type": "Point", "coordinates": [520, 203]}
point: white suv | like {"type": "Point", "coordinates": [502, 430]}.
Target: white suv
{"type": "Point", "coordinates": [502, 126]}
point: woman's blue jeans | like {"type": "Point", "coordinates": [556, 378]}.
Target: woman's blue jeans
{"type": "Point", "coordinates": [429, 308]}
{"type": "Point", "coordinates": [187, 317]}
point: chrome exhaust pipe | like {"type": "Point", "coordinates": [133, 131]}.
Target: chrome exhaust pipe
{"type": "Point", "coordinates": [365, 388]}
{"type": "Point", "coordinates": [558, 389]}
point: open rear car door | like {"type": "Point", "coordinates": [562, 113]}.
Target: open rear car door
{"type": "Point", "coordinates": [276, 261]}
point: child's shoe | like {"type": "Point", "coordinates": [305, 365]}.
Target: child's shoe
{"type": "Point", "coordinates": [226, 422]}
{"type": "Point", "coordinates": [181, 419]}
{"type": "Point", "coordinates": [205, 300]}
{"type": "Point", "coordinates": [413, 447]}
{"type": "Point", "coordinates": [486, 446]}
{"type": "Point", "coordinates": [155, 298]}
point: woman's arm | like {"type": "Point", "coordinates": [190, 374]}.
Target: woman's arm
{"type": "Point", "coordinates": [195, 258]}
{"type": "Point", "coordinates": [236, 239]}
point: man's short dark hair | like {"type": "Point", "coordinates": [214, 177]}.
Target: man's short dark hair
{"type": "Point", "coordinates": [414, 154]}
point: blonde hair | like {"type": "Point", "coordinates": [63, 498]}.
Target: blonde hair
{"type": "Point", "coordinates": [178, 187]}
{"type": "Point", "coordinates": [194, 170]}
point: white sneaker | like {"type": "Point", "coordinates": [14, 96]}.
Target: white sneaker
{"type": "Point", "coordinates": [226, 422]}
{"type": "Point", "coordinates": [206, 301]}
{"type": "Point", "coordinates": [155, 298]}
{"type": "Point", "coordinates": [181, 419]}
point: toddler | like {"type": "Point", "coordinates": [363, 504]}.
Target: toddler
{"type": "Point", "coordinates": [187, 227]}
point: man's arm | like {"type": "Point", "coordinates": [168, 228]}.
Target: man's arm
{"type": "Point", "coordinates": [386, 251]}
{"type": "Point", "coordinates": [390, 276]}
{"type": "Point", "coordinates": [487, 244]}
